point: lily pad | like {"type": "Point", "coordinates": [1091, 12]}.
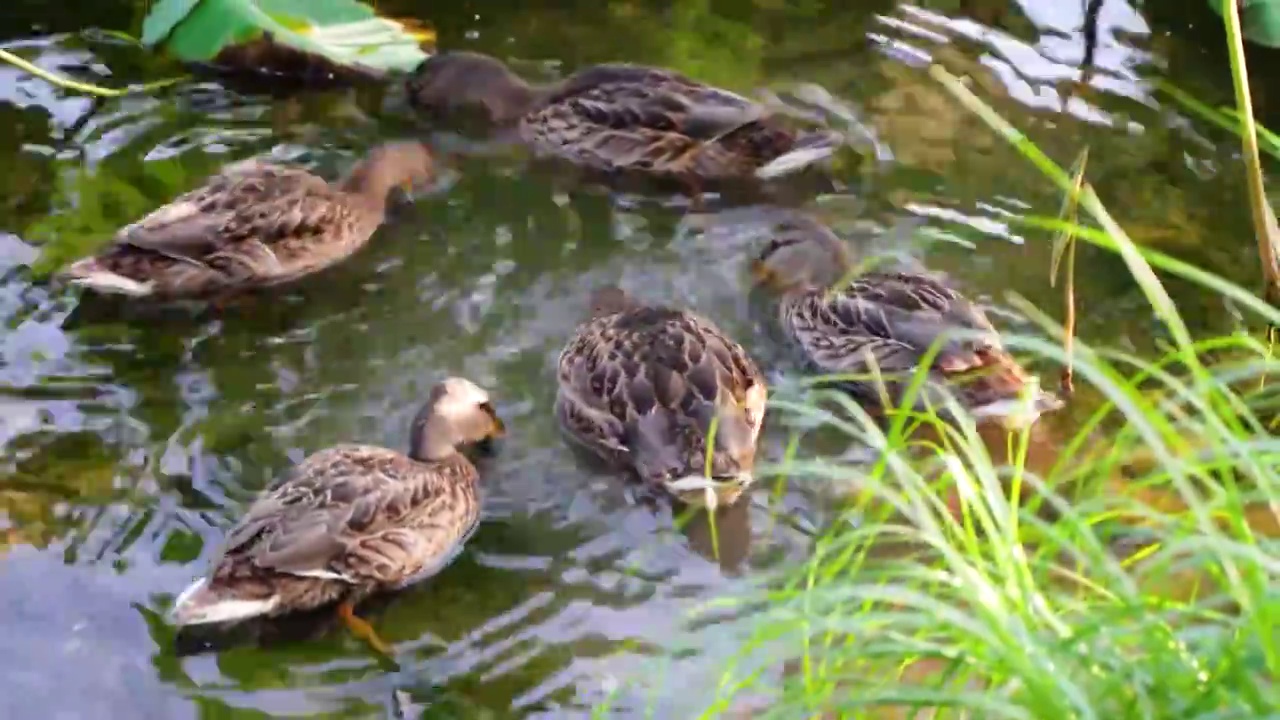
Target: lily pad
{"type": "Point", "coordinates": [304, 39]}
{"type": "Point", "coordinates": [1260, 20]}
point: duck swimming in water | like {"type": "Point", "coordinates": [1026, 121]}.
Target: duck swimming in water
{"type": "Point", "coordinates": [652, 390]}
{"type": "Point", "coordinates": [619, 119]}
{"type": "Point", "coordinates": [879, 326]}
{"type": "Point", "coordinates": [255, 224]}
{"type": "Point", "coordinates": [353, 520]}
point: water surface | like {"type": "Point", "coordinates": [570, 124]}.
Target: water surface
{"type": "Point", "coordinates": [127, 447]}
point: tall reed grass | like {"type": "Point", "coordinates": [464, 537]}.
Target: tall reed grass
{"type": "Point", "coordinates": [1132, 576]}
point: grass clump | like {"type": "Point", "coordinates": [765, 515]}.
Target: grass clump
{"type": "Point", "coordinates": [1130, 572]}
{"type": "Point", "coordinates": [1130, 578]}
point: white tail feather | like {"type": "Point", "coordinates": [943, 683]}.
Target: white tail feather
{"type": "Point", "coordinates": [109, 282]}
{"type": "Point", "coordinates": [197, 605]}
{"type": "Point", "coordinates": [1020, 412]}
{"type": "Point", "coordinates": [323, 575]}
{"type": "Point", "coordinates": [790, 162]}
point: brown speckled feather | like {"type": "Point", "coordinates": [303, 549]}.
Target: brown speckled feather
{"type": "Point", "coordinates": [263, 225]}
{"type": "Point", "coordinates": [623, 118]}
{"type": "Point", "coordinates": [348, 521]}
{"type": "Point", "coordinates": [639, 386]}
{"type": "Point", "coordinates": [892, 319]}
{"type": "Point", "coordinates": [253, 224]}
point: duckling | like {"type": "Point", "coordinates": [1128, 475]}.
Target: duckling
{"type": "Point", "coordinates": [884, 323]}
{"type": "Point", "coordinates": [619, 119]}
{"type": "Point", "coordinates": [255, 224]}
{"type": "Point", "coordinates": [353, 520]}
{"type": "Point", "coordinates": [650, 389]}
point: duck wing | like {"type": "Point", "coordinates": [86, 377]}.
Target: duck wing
{"type": "Point", "coordinates": [653, 120]}
{"type": "Point", "coordinates": [892, 319]}
{"type": "Point", "coordinates": [919, 310]}
{"type": "Point", "coordinates": [621, 95]}
{"type": "Point", "coordinates": [260, 200]}
{"type": "Point", "coordinates": [356, 514]}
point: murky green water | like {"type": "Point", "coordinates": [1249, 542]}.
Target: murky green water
{"type": "Point", "coordinates": [126, 448]}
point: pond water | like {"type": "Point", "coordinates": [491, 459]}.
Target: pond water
{"type": "Point", "coordinates": [127, 447]}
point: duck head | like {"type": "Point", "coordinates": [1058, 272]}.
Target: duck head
{"type": "Point", "coordinates": [465, 83]}
{"type": "Point", "coordinates": [676, 458]}
{"type": "Point", "coordinates": [457, 414]}
{"type": "Point", "coordinates": [802, 255]}
{"type": "Point", "coordinates": [399, 165]}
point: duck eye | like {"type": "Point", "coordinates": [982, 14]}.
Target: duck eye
{"type": "Point", "coordinates": [487, 408]}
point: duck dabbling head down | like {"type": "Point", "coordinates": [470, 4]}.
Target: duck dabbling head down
{"type": "Point", "coordinates": [657, 391]}
{"type": "Point", "coordinates": [254, 224]}
{"type": "Point", "coordinates": [393, 166]}
{"type": "Point", "coordinates": [620, 119]}
{"type": "Point", "coordinates": [458, 81]}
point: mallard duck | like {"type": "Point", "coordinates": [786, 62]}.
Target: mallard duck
{"type": "Point", "coordinates": [353, 520]}
{"type": "Point", "coordinates": [619, 118]}
{"type": "Point", "coordinates": [641, 386]}
{"type": "Point", "coordinates": [885, 322]}
{"type": "Point", "coordinates": [253, 224]}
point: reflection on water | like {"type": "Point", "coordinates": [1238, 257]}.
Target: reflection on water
{"type": "Point", "coordinates": [128, 445]}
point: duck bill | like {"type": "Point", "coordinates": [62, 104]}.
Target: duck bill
{"type": "Point", "coordinates": [770, 280]}
{"type": "Point", "coordinates": [761, 274]}
{"type": "Point", "coordinates": [499, 428]}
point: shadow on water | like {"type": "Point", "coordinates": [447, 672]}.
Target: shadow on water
{"type": "Point", "coordinates": [127, 445]}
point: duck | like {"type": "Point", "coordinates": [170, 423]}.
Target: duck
{"type": "Point", "coordinates": [254, 224]}
{"type": "Point", "coordinates": [876, 328]}
{"type": "Point", "coordinates": [353, 520]}
{"type": "Point", "coordinates": [650, 389]}
{"type": "Point", "coordinates": [619, 119]}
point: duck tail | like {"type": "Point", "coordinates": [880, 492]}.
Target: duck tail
{"type": "Point", "coordinates": [93, 274]}
{"type": "Point", "coordinates": [810, 147]}
{"type": "Point", "coordinates": [1007, 392]}
{"type": "Point", "coordinates": [204, 602]}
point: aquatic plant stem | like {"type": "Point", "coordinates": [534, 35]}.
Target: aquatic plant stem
{"type": "Point", "coordinates": [67, 83]}
{"type": "Point", "coordinates": [1066, 244]}
{"type": "Point", "coordinates": [710, 494]}
{"type": "Point", "coordinates": [1264, 219]}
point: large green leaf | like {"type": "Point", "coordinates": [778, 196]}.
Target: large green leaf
{"type": "Point", "coordinates": [162, 18]}
{"type": "Point", "coordinates": [285, 36]}
{"type": "Point", "coordinates": [1260, 20]}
